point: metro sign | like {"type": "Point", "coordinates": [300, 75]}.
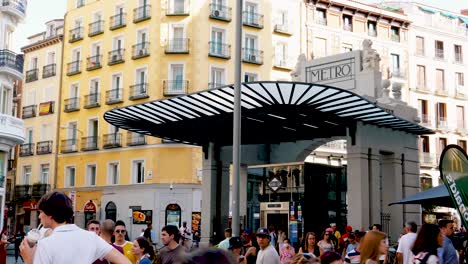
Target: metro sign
{"type": "Point", "coordinates": [275, 184]}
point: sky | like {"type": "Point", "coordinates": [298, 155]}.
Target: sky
{"type": "Point", "coordinates": [41, 11]}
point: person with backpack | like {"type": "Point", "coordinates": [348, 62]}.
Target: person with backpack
{"type": "Point", "coordinates": [425, 247]}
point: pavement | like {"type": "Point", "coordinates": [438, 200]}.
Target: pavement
{"type": "Point", "coordinates": [11, 260]}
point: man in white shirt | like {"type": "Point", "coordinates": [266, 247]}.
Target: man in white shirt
{"type": "Point", "coordinates": [404, 253]}
{"type": "Point", "coordinates": [185, 236]}
{"type": "Point", "coordinates": [267, 253]}
{"type": "Point", "coordinates": [68, 243]}
{"type": "Point", "coordinates": [227, 235]}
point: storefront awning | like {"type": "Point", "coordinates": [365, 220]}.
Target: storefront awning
{"type": "Point", "coordinates": [437, 196]}
{"type": "Point", "coordinates": [425, 9]}
{"type": "Point", "coordinates": [448, 15]}
{"type": "Point", "coordinates": [464, 20]}
{"type": "Point", "coordinates": [271, 112]}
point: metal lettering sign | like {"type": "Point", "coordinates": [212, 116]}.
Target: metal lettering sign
{"type": "Point", "coordinates": [331, 72]}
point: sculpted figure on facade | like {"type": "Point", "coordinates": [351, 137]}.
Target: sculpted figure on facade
{"type": "Point", "coordinates": [370, 57]}
{"type": "Point", "coordinates": [300, 66]}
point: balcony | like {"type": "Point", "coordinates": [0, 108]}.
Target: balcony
{"type": "Point", "coordinates": [29, 111]}
{"type": "Point", "coordinates": [175, 87]}
{"type": "Point", "coordinates": [96, 28]}
{"type": "Point", "coordinates": [252, 56]}
{"type": "Point", "coordinates": [76, 34]}
{"type": "Point", "coordinates": [439, 54]}
{"type": "Point", "coordinates": [428, 159]}
{"type": "Point", "coordinates": [141, 13]}
{"type": "Point", "coordinates": [92, 100]}
{"type": "Point", "coordinates": [23, 192]}
{"type": "Point", "coordinates": [252, 19]}
{"type": "Point", "coordinates": [113, 140]}
{"type": "Point", "coordinates": [140, 50]}
{"type": "Point", "coordinates": [425, 120]}
{"type": "Point", "coordinates": [178, 8]}
{"type": "Point", "coordinates": [395, 38]}
{"type": "Point", "coordinates": [73, 68]}
{"type": "Point", "coordinates": [348, 27]}
{"type": "Point", "coordinates": [462, 129]}
{"type": "Point", "coordinates": [118, 21]}
{"type": "Point", "coordinates": [116, 56]}
{"type": "Point", "coordinates": [26, 150]}
{"type": "Point", "coordinates": [321, 21]}
{"type": "Point", "coordinates": [282, 29]}
{"type": "Point", "coordinates": [177, 46]}
{"type": "Point", "coordinates": [12, 63]}
{"type": "Point", "coordinates": [442, 92]}
{"type": "Point", "coordinates": [460, 92]}
{"type": "Point", "coordinates": [114, 96]}
{"type": "Point", "coordinates": [94, 62]}
{"type": "Point", "coordinates": [398, 73]}
{"type": "Point", "coordinates": [219, 50]}
{"type": "Point", "coordinates": [220, 12]}
{"type": "Point", "coordinates": [89, 143]}
{"type": "Point", "coordinates": [69, 145]}
{"type": "Point", "coordinates": [372, 33]}
{"type": "Point", "coordinates": [44, 147]}
{"type": "Point", "coordinates": [442, 123]}
{"type": "Point", "coordinates": [71, 104]}
{"type": "Point", "coordinates": [39, 189]}
{"type": "Point", "coordinates": [283, 63]}
{"type": "Point", "coordinates": [138, 91]}
{"type": "Point", "coordinates": [15, 7]}
{"type": "Point", "coordinates": [215, 85]}
{"type": "Point", "coordinates": [49, 70]}
{"type": "Point", "coordinates": [32, 75]}
{"type": "Point", "coordinates": [420, 52]}
{"type": "Point", "coordinates": [135, 139]}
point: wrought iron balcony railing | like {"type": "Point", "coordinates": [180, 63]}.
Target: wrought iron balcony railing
{"type": "Point", "coordinates": [395, 38]}
{"type": "Point", "coordinates": [135, 139]}
{"type": "Point", "coordinates": [32, 75]}
{"type": "Point", "coordinates": [175, 87]}
{"type": "Point", "coordinates": [113, 140]}
{"type": "Point", "coordinates": [282, 28]}
{"type": "Point", "coordinates": [89, 143]}
{"type": "Point", "coordinates": [321, 21]}
{"type": "Point", "coordinates": [29, 111]}
{"type": "Point", "coordinates": [94, 62]}
{"type": "Point", "coordinates": [347, 27]}
{"type": "Point", "coordinates": [141, 13]}
{"type": "Point", "coordinates": [220, 50]}
{"type": "Point", "coordinates": [140, 50]}
{"type": "Point", "coordinates": [177, 45]}
{"type": "Point", "coordinates": [44, 147]}
{"type": "Point", "coordinates": [283, 63]}
{"type": "Point", "coordinates": [372, 33]}
{"type": "Point", "coordinates": [39, 190]}
{"type": "Point", "coordinates": [23, 192]}
{"type": "Point", "coordinates": [427, 158]}
{"type": "Point", "coordinates": [178, 8]}
{"type": "Point", "coordinates": [442, 123]}
{"type": "Point", "coordinates": [425, 120]}
{"type": "Point", "coordinates": [116, 56]}
{"type": "Point", "coordinates": [96, 28]}
{"type": "Point", "coordinates": [212, 85]}
{"type": "Point", "coordinates": [12, 60]}
{"type": "Point", "coordinates": [114, 96]}
{"type": "Point", "coordinates": [398, 73]}
{"type": "Point", "coordinates": [69, 145]}
{"type": "Point", "coordinates": [118, 21]}
{"type": "Point", "coordinates": [92, 100]}
{"type": "Point", "coordinates": [76, 34]}
{"type": "Point", "coordinates": [439, 54]}
{"type": "Point", "coordinates": [139, 91]}
{"type": "Point", "coordinates": [252, 19]}
{"type": "Point", "coordinates": [73, 68]}
{"type": "Point", "coordinates": [71, 104]}
{"type": "Point", "coordinates": [220, 12]}
{"type": "Point", "coordinates": [18, 6]}
{"type": "Point", "coordinates": [49, 70]}
{"type": "Point", "coordinates": [252, 56]}
{"type": "Point", "coordinates": [458, 58]}
{"type": "Point", "coordinates": [26, 149]}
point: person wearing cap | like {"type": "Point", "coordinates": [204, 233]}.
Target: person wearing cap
{"type": "Point", "coordinates": [336, 233]}
{"type": "Point", "coordinates": [344, 237]}
{"type": "Point", "coordinates": [235, 246]}
{"type": "Point", "coordinates": [267, 253]}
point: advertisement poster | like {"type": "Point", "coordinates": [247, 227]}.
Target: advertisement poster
{"type": "Point", "coordinates": [293, 232]}
{"type": "Point", "coordinates": [142, 217]}
{"type": "Point", "coordinates": [173, 218]}
{"type": "Point", "coordinates": [196, 222]}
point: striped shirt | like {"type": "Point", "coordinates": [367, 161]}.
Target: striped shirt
{"type": "Point", "coordinates": [353, 257]}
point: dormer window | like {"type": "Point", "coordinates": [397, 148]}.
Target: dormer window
{"type": "Point", "coordinates": [50, 31]}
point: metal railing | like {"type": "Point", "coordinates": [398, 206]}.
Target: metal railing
{"type": "Point", "coordinates": [26, 150]}
{"type": "Point", "coordinates": [23, 192]}
{"type": "Point", "coordinates": [427, 158]}
{"type": "Point", "coordinates": [118, 21]}
{"type": "Point", "coordinates": [32, 75]}
{"type": "Point", "coordinates": [399, 73]}
{"type": "Point", "coordinates": [175, 87]}
{"type": "Point", "coordinates": [175, 9]}
{"type": "Point", "coordinates": [177, 45]}
{"type": "Point", "coordinates": [221, 50]}
{"type": "Point", "coordinates": [44, 147]}
{"type": "Point", "coordinates": [94, 62]}
{"type": "Point", "coordinates": [138, 91]}
{"type": "Point", "coordinates": [69, 145]}
{"type": "Point", "coordinates": [442, 91]}
{"type": "Point", "coordinates": [114, 96]}
{"type": "Point", "coordinates": [282, 28]}
{"type": "Point", "coordinates": [396, 38]}
{"type": "Point", "coordinates": [116, 56]}
{"type": "Point", "coordinates": [141, 13]}
{"type": "Point", "coordinates": [442, 123]}
{"type": "Point", "coordinates": [135, 139]}
{"type": "Point", "coordinates": [140, 50]}
{"type": "Point", "coordinates": [252, 19]}
{"type": "Point", "coordinates": [214, 85]}
{"type": "Point", "coordinates": [11, 60]}
{"type": "Point", "coordinates": [19, 5]}
{"type": "Point", "coordinates": [92, 100]}
{"type": "Point", "coordinates": [113, 140]}
{"type": "Point", "coordinates": [76, 34]}
{"type": "Point", "coordinates": [372, 33]}
{"type": "Point", "coordinates": [347, 27]}
{"type": "Point", "coordinates": [282, 62]}
{"type": "Point", "coordinates": [439, 54]}
{"type": "Point", "coordinates": [29, 111]}
{"type": "Point", "coordinates": [321, 21]}
{"type": "Point", "coordinates": [71, 104]}
{"type": "Point", "coordinates": [220, 12]}
{"type": "Point", "coordinates": [73, 68]}
{"type": "Point", "coordinates": [458, 58]}
{"type": "Point", "coordinates": [49, 70]}
{"type": "Point", "coordinates": [96, 28]}
{"type": "Point", "coordinates": [425, 120]}
{"type": "Point", "coordinates": [252, 56]}
{"type": "Point", "coordinates": [89, 143]}
{"type": "Point", "coordinates": [39, 189]}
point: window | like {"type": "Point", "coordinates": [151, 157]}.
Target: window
{"type": "Point", "coordinates": [70, 174]}
{"type": "Point", "coordinates": [33, 63]}
{"type": "Point", "coordinates": [420, 46]}
{"type": "Point", "coordinates": [421, 75]}
{"type": "Point", "coordinates": [442, 143]}
{"type": "Point", "coordinates": [138, 171]}
{"type": "Point", "coordinates": [116, 86]}
{"type": "Point", "coordinates": [250, 16]}
{"type": "Point", "coordinates": [5, 100]}
{"type": "Point", "coordinates": [439, 49]}
{"type": "Point", "coordinates": [321, 16]}
{"type": "Point", "coordinates": [441, 115]}
{"type": "Point", "coordinates": [50, 31]}
{"type": "Point", "coordinates": [44, 173]}
{"type": "Point", "coordinates": [94, 86]}
{"type": "Point", "coordinates": [424, 144]}
{"type": "Point", "coordinates": [423, 111]}
{"type": "Point", "coordinates": [27, 175]}
{"type": "Point", "coordinates": [426, 183]}
{"type": "Point", "coordinates": [347, 23]}
{"type": "Point", "coordinates": [117, 43]}
{"type": "Point", "coordinates": [282, 18]}
{"type": "Point", "coordinates": [217, 77]}
{"type": "Point", "coordinates": [91, 174]}
{"type": "Point", "coordinates": [440, 79]}
{"type": "Point", "coordinates": [250, 46]}
{"type": "Point", "coordinates": [462, 144]}
{"type": "Point", "coordinates": [142, 37]}
{"type": "Point", "coordinates": [395, 64]}
{"type": "Point", "coordinates": [458, 54]}
{"type": "Point", "coordinates": [140, 76]}
{"type": "Point", "coordinates": [250, 77]}
{"type": "Point", "coordinates": [80, 3]}
{"type": "Point", "coordinates": [460, 116]}
{"type": "Point", "coordinates": [395, 34]}
{"type": "Point", "coordinates": [459, 79]}
{"type": "Point", "coordinates": [177, 78]}
{"type": "Point", "coordinates": [218, 46]}
{"type": "Point", "coordinates": [113, 173]}
{"type": "Point", "coordinates": [320, 47]}
{"type": "Point", "coordinates": [281, 54]}
{"type": "Point", "coordinates": [76, 55]}
{"type": "Point", "coordinates": [372, 28]}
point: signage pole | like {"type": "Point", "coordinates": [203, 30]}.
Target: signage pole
{"type": "Point", "coordinates": [236, 142]}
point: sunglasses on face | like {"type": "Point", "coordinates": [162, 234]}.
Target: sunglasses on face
{"type": "Point", "coordinates": [120, 231]}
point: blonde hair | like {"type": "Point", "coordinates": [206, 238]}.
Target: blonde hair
{"type": "Point", "coordinates": [305, 259]}
{"type": "Point", "coordinates": [370, 246]}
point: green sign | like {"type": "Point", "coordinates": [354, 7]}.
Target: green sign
{"type": "Point", "coordinates": [454, 172]}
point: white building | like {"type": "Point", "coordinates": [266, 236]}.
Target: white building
{"type": "Point", "coordinates": [11, 69]}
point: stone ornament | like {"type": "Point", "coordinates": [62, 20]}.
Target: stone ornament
{"type": "Point", "coordinates": [370, 57]}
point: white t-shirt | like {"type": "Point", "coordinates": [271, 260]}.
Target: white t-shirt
{"type": "Point", "coordinates": [404, 247]}
{"type": "Point", "coordinates": [268, 256]}
{"type": "Point", "coordinates": [71, 245]}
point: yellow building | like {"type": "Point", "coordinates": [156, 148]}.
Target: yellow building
{"type": "Point", "coordinates": [128, 52]}
{"type": "Point", "coordinates": [40, 99]}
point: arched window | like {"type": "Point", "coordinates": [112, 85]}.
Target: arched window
{"type": "Point", "coordinates": [173, 215]}
{"type": "Point", "coordinates": [111, 211]}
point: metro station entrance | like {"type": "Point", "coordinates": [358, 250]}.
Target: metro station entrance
{"type": "Point", "coordinates": [275, 214]}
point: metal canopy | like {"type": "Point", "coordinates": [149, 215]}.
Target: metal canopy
{"type": "Point", "coordinates": [272, 112]}
{"type": "Point", "coordinates": [438, 195]}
